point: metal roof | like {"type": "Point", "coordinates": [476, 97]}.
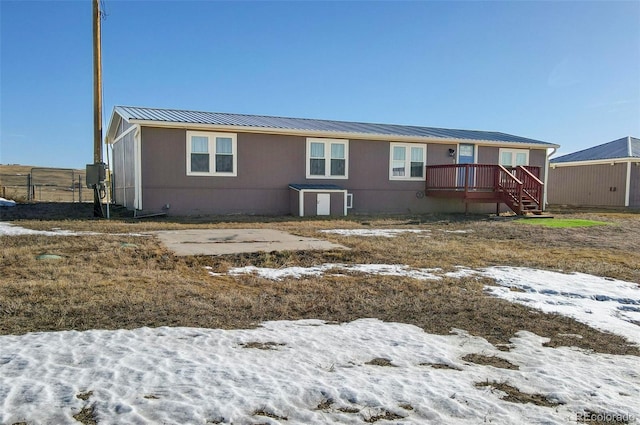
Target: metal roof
{"type": "Point", "coordinates": [627, 147]}
{"type": "Point", "coordinates": [130, 113]}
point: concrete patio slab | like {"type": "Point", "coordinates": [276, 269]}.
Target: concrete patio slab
{"type": "Point", "coordinates": [236, 241]}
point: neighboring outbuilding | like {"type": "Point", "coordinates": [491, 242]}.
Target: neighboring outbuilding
{"type": "Point", "coordinates": [190, 163]}
{"type": "Point", "coordinates": [606, 175]}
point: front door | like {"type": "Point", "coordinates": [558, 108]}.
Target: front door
{"type": "Point", "coordinates": [466, 155]}
{"type": "Point", "coordinates": [324, 204]}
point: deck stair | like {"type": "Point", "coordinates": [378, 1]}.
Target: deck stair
{"type": "Point", "coordinates": [518, 187]}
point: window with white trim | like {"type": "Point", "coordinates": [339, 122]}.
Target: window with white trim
{"type": "Point", "coordinates": [349, 200]}
{"type": "Point", "coordinates": [407, 161]}
{"type": "Point", "coordinates": [211, 154]}
{"type": "Point", "coordinates": [327, 158]}
{"type": "Point", "coordinates": [514, 157]}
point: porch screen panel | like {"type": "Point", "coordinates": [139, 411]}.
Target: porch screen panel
{"type": "Point", "coordinates": [118, 173]}
{"type": "Point", "coordinates": [129, 170]}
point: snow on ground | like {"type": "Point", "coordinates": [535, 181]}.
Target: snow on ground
{"type": "Point", "coordinates": [307, 371]}
{"type": "Point", "coordinates": [310, 372]}
{"type": "Point", "coordinates": [7, 202]}
{"type": "Point", "coordinates": [299, 272]}
{"type": "Point", "coordinates": [602, 303]}
{"type": "Point", "coordinates": [386, 233]}
{"type": "Point", "coordinates": [10, 229]}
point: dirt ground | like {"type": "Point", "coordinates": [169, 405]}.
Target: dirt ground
{"type": "Point", "coordinates": [116, 280]}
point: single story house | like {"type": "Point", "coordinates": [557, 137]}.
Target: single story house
{"type": "Point", "coordinates": [605, 175]}
{"type": "Point", "coordinates": [191, 163]}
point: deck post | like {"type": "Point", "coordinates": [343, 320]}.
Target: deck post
{"type": "Point", "coordinates": [466, 178]}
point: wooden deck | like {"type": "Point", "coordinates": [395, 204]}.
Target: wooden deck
{"type": "Point", "coordinates": [519, 187]}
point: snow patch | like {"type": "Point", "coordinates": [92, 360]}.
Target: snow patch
{"type": "Point", "coordinates": [10, 229]}
{"type": "Point", "coordinates": [7, 202]}
{"type": "Point", "coordinates": [374, 269]}
{"type": "Point", "coordinates": [317, 373]}
{"type": "Point", "coordinates": [385, 233]}
{"type": "Point", "coordinates": [603, 303]}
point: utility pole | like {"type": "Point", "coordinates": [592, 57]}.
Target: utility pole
{"type": "Point", "coordinates": [97, 84]}
{"type": "Point", "coordinates": [96, 172]}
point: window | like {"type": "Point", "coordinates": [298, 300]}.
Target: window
{"type": "Point", "coordinates": [211, 154]}
{"type": "Point", "coordinates": [349, 200]}
{"type": "Point", "coordinates": [327, 159]}
{"type": "Point", "coordinates": [407, 161]}
{"type": "Point", "coordinates": [514, 157]}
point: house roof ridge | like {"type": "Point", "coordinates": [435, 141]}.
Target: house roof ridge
{"type": "Point", "coordinates": [314, 119]}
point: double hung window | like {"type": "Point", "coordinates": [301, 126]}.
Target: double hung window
{"type": "Point", "coordinates": [327, 158]}
{"type": "Point", "coordinates": [407, 161]}
{"type": "Point", "coordinates": [211, 154]}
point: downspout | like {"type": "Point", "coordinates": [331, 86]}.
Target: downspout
{"type": "Point", "coordinates": [137, 167]}
{"type": "Point", "coordinates": [627, 190]}
{"type": "Point", "coordinates": [301, 203]}
{"type": "Point", "coordinates": [546, 178]}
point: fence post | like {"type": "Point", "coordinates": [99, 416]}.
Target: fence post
{"type": "Point", "coordinates": [79, 188]}
{"type": "Point", "coordinates": [29, 197]}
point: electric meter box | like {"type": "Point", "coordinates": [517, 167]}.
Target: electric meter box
{"type": "Point", "coordinates": [96, 174]}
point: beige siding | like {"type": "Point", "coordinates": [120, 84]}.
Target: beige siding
{"type": "Point", "coordinates": [634, 194]}
{"type": "Point", "coordinates": [488, 155]}
{"type": "Point", "coordinates": [588, 185]}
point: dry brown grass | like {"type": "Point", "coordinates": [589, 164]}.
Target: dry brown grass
{"type": "Point", "coordinates": [50, 184]}
{"type": "Point", "coordinates": [514, 395]}
{"type": "Point", "coordinates": [490, 361]}
{"type": "Point", "coordinates": [101, 282]}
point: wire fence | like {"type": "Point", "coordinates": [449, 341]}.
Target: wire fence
{"type": "Point", "coordinates": [46, 185]}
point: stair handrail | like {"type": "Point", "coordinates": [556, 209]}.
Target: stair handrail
{"type": "Point", "coordinates": [512, 193]}
{"type": "Point", "coordinates": [533, 190]}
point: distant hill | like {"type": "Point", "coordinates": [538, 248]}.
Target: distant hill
{"type": "Point", "coordinates": [26, 169]}
{"type": "Point", "coordinates": [29, 183]}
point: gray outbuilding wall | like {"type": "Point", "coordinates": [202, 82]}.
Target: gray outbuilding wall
{"type": "Point", "coordinates": [634, 194]}
{"type": "Point", "coordinates": [588, 185]}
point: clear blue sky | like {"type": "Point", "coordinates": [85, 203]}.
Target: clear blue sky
{"type": "Point", "coordinates": [566, 72]}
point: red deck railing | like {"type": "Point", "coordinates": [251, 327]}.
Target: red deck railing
{"type": "Point", "coordinates": [518, 187]}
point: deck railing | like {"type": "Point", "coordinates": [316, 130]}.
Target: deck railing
{"type": "Point", "coordinates": [510, 187]}
{"type": "Point", "coordinates": [513, 186]}
{"type": "Point", "coordinates": [461, 177]}
{"type": "Point", "coordinates": [531, 184]}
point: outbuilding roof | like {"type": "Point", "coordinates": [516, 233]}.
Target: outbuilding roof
{"type": "Point", "coordinates": [307, 186]}
{"type": "Point", "coordinates": [627, 147]}
{"type": "Point", "coordinates": [149, 116]}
